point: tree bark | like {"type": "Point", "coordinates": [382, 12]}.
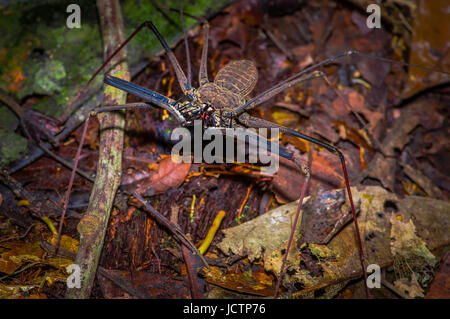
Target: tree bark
{"type": "Point", "coordinates": [93, 226]}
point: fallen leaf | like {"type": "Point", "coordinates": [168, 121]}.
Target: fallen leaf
{"type": "Point", "coordinates": [264, 238]}
{"type": "Point", "coordinates": [16, 253]}
{"type": "Point", "coordinates": [148, 183]}
{"type": "Point", "coordinates": [440, 288]}
{"type": "Point", "coordinates": [383, 169]}
{"type": "Point", "coordinates": [412, 289]}
{"type": "Point", "coordinates": [429, 47]}
{"type": "Point", "coordinates": [424, 182]}
{"type": "Point", "coordinates": [244, 282]}
{"type": "Point", "coordinates": [122, 284]}
{"type": "Point", "coordinates": [358, 105]}
{"type": "Point", "coordinates": [406, 243]}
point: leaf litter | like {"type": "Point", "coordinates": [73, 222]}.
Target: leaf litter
{"type": "Point", "coordinates": [414, 143]}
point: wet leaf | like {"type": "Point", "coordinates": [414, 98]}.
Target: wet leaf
{"type": "Point", "coordinates": [123, 284]}
{"type": "Point", "coordinates": [429, 46]}
{"type": "Point", "coordinates": [412, 289]}
{"type": "Point", "coordinates": [15, 254]}
{"type": "Point", "coordinates": [13, 291]}
{"type": "Point", "coordinates": [338, 261]}
{"type": "Point", "coordinates": [148, 183]}
{"type": "Point", "coordinates": [440, 288]}
{"type": "Point", "coordinates": [245, 282]}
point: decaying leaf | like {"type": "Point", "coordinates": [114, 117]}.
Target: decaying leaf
{"type": "Point", "coordinates": [66, 243]}
{"type": "Point", "coordinates": [440, 288]}
{"type": "Point", "coordinates": [423, 181]}
{"type": "Point", "coordinates": [123, 284]}
{"type": "Point", "coordinates": [14, 254]}
{"type": "Point", "coordinates": [429, 46]}
{"type": "Point", "coordinates": [265, 237]}
{"type": "Point", "coordinates": [406, 243]}
{"type": "Point", "coordinates": [149, 182]}
{"type": "Point", "coordinates": [383, 168]}
{"type": "Point", "coordinates": [357, 102]}
{"type": "Point", "coordinates": [413, 288]}
{"type": "Point", "coordinates": [288, 180]}
{"type": "Point", "coordinates": [13, 291]}
{"type": "Point", "coordinates": [256, 283]}
{"type": "Point", "coordinates": [323, 216]}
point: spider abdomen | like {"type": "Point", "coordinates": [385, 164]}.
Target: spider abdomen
{"type": "Point", "coordinates": [232, 83]}
{"type": "Point", "coordinates": [238, 76]}
{"type": "Point", "coordinates": [217, 96]}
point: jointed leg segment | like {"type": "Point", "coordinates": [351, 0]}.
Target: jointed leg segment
{"type": "Point", "coordinates": [250, 121]}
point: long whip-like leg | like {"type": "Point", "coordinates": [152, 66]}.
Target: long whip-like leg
{"type": "Point", "coordinates": [203, 74]}
{"type": "Point", "coordinates": [178, 71]}
{"type": "Point", "coordinates": [250, 121]}
{"type": "Point", "coordinates": [264, 96]}
{"type": "Point", "coordinates": [291, 236]}
{"type": "Point", "coordinates": [151, 96]}
{"type": "Point", "coordinates": [186, 45]}
{"type": "Point", "coordinates": [69, 188]}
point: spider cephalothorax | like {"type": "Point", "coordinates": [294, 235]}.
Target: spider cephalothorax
{"type": "Point", "coordinates": [209, 103]}
{"type": "Point", "coordinates": [192, 108]}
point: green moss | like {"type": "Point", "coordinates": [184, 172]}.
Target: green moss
{"type": "Point", "coordinates": [136, 213]}
{"type": "Point", "coordinates": [368, 197]}
{"type": "Point", "coordinates": [46, 79]}
{"type": "Point", "coordinates": [12, 146]}
{"type": "Point", "coordinates": [320, 251]}
{"type": "Point", "coordinates": [40, 55]}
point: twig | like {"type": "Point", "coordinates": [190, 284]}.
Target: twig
{"type": "Point", "coordinates": [92, 227]}
{"type": "Point", "coordinates": [294, 225]}
{"type": "Point", "coordinates": [18, 237]}
{"type": "Point", "coordinates": [243, 202]}
{"type": "Point", "coordinates": [72, 124]}
{"type": "Point", "coordinates": [192, 265]}
{"type": "Point", "coordinates": [69, 188]}
{"type": "Point", "coordinates": [174, 229]}
{"type": "Point", "coordinates": [66, 163]}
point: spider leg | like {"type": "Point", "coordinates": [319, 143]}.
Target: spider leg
{"type": "Point", "coordinates": [256, 139]}
{"type": "Point", "coordinates": [111, 108]}
{"type": "Point", "coordinates": [181, 77]}
{"type": "Point", "coordinates": [250, 121]}
{"type": "Point", "coordinates": [296, 78]}
{"type": "Point", "coordinates": [146, 94]}
{"type": "Point", "coordinates": [274, 91]}
{"type": "Point", "coordinates": [203, 74]}
{"type": "Point", "coordinates": [186, 45]}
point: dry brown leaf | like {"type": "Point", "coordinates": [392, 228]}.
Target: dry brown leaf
{"type": "Point", "coordinates": [148, 183]}
{"type": "Point", "coordinates": [429, 46]}
{"type": "Point", "coordinates": [405, 242]}
{"type": "Point", "coordinates": [15, 254]}
{"type": "Point", "coordinates": [339, 259]}
{"type": "Point", "coordinates": [412, 289]}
